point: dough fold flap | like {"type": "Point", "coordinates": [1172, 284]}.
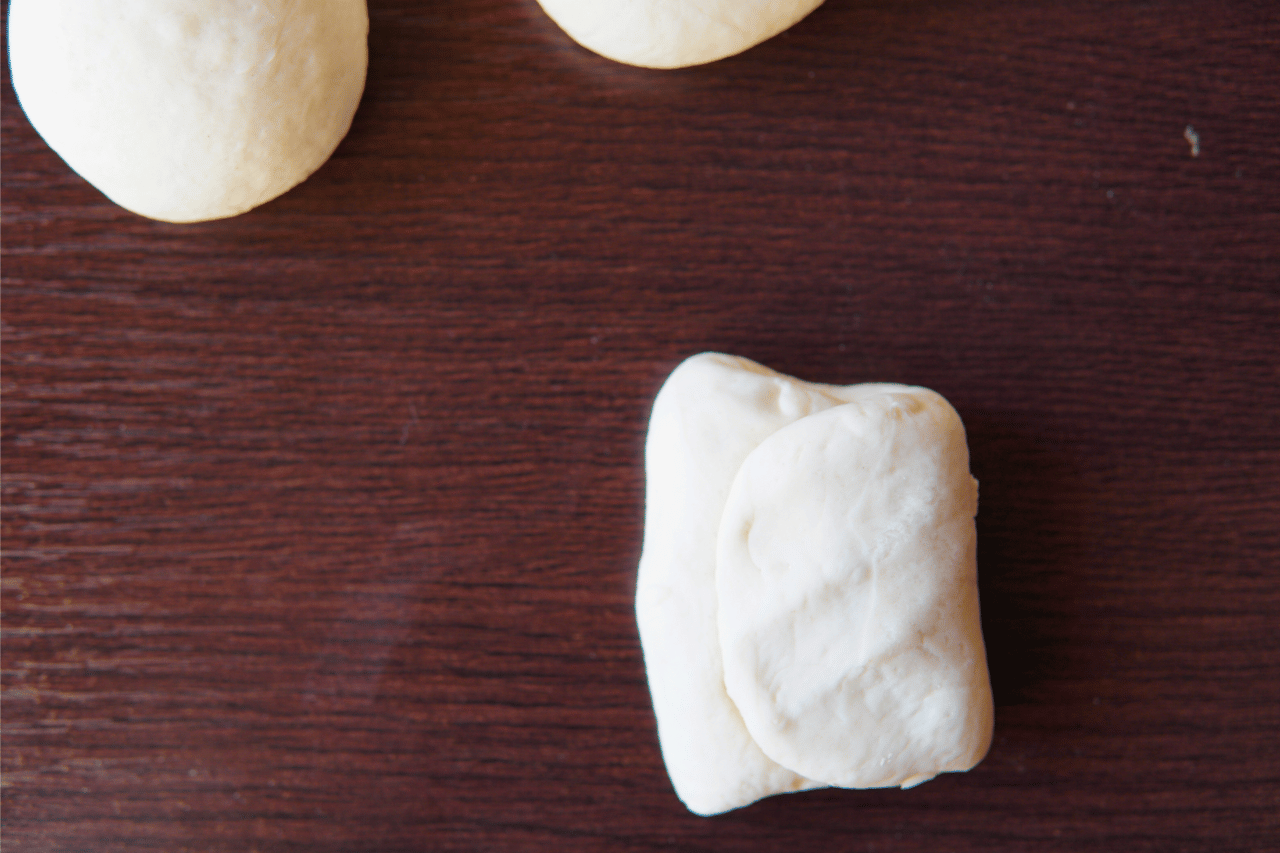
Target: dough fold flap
{"type": "Point", "coordinates": [807, 591]}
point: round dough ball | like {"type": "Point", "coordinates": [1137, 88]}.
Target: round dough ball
{"type": "Point", "coordinates": [674, 33]}
{"type": "Point", "coordinates": [189, 110]}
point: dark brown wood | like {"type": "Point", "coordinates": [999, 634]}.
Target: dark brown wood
{"type": "Point", "coordinates": [321, 523]}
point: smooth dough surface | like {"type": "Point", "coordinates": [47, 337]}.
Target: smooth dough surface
{"type": "Point", "coordinates": [188, 110]}
{"type": "Point", "coordinates": [847, 594]}
{"type": "Point", "coordinates": [735, 449]}
{"type": "Point", "coordinates": [674, 33]}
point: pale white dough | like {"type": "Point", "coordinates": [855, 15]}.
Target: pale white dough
{"type": "Point", "coordinates": [723, 429]}
{"type": "Point", "coordinates": [712, 411]}
{"type": "Point", "coordinates": [188, 110]}
{"type": "Point", "coordinates": [674, 33]}
{"type": "Point", "coordinates": [847, 594]}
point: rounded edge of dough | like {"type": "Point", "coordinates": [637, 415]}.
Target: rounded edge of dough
{"type": "Point", "coordinates": [664, 35]}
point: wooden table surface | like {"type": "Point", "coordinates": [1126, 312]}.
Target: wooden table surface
{"type": "Point", "coordinates": [321, 523]}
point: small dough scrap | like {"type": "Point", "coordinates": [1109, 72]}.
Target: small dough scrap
{"type": "Point", "coordinates": [807, 589]}
{"type": "Point", "coordinates": [190, 110]}
{"type": "Point", "coordinates": [674, 33]}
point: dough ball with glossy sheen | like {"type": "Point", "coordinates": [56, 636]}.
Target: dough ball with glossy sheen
{"type": "Point", "coordinates": [674, 33]}
{"type": "Point", "coordinates": [188, 110]}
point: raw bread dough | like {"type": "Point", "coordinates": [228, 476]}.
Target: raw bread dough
{"type": "Point", "coordinates": [807, 589]}
{"type": "Point", "coordinates": [674, 33]}
{"type": "Point", "coordinates": [187, 110]}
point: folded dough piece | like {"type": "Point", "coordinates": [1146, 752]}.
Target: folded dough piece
{"type": "Point", "coordinates": [674, 33]}
{"type": "Point", "coordinates": [807, 596]}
